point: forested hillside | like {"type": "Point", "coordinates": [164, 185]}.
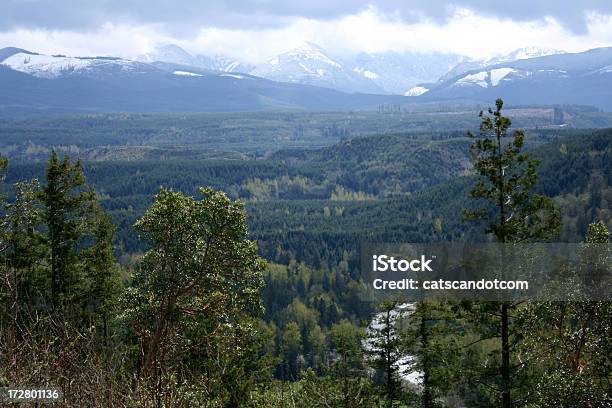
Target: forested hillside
{"type": "Point", "coordinates": [201, 264]}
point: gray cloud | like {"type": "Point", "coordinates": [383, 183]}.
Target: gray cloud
{"type": "Point", "coordinates": [189, 15]}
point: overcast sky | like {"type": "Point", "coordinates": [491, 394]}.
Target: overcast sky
{"type": "Point", "coordinates": [255, 30]}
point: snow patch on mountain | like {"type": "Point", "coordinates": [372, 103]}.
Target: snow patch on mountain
{"type": "Point", "coordinates": [500, 73]}
{"type": "Point", "coordinates": [416, 91]}
{"type": "Point", "coordinates": [186, 73]}
{"type": "Point", "coordinates": [525, 53]}
{"type": "Point", "coordinates": [516, 55]}
{"type": "Point", "coordinates": [232, 66]}
{"type": "Point", "coordinates": [479, 79]}
{"type": "Point", "coordinates": [233, 76]}
{"type": "Point", "coordinates": [385, 72]}
{"type": "Point", "coordinates": [366, 73]}
{"type": "Point", "coordinates": [54, 66]}
{"type": "Point", "coordinates": [398, 71]}
{"type": "Point", "coordinates": [168, 53]}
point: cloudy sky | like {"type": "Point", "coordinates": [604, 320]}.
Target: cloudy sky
{"type": "Point", "coordinates": [255, 30]}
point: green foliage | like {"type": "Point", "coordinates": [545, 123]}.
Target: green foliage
{"type": "Point", "coordinates": [192, 330]}
{"type": "Point", "coordinates": [196, 136]}
{"type": "Point", "coordinates": [347, 340]}
{"type": "Point", "coordinates": [22, 247]}
{"type": "Point", "coordinates": [196, 294]}
{"type": "Point", "coordinates": [102, 273]}
{"type": "Point", "coordinates": [514, 214]}
{"type": "Point", "coordinates": [67, 204]}
{"type": "Point", "coordinates": [507, 178]}
{"type": "Point", "coordinates": [570, 342]}
{"type": "Point", "coordinates": [431, 335]}
{"type": "Point", "coordinates": [385, 349]}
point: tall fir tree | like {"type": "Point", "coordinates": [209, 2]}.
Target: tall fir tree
{"type": "Point", "coordinates": [385, 349]}
{"type": "Point", "coordinates": [67, 204]}
{"type": "Point", "coordinates": [102, 273]}
{"type": "Point", "coordinates": [506, 201]}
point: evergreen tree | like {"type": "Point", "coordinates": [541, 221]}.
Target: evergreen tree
{"type": "Point", "coordinates": [22, 247]}
{"type": "Point", "coordinates": [102, 273]}
{"type": "Point", "coordinates": [347, 340]}
{"type": "Point", "coordinates": [67, 205]}
{"type": "Point", "coordinates": [385, 349]}
{"type": "Point", "coordinates": [512, 211]}
{"type": "Point", "coordinates": [430, 336]}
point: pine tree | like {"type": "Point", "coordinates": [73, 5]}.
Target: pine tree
{"type": "Point", "coordinates": [507, 203]}
{"type": "Point", "coordinates": [385, 349]}
{"type": "Point", "coordinates": [102, 273]}
{"type": "Point", "coordinates": [68, 203]}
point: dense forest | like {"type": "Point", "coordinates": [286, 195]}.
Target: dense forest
{"type": "Point", "coordinates": [144, 264]}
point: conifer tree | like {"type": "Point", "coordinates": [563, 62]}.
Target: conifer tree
{"type": "Point", "coordinates": [102, 273]}
{"type": "Point", "coordinates": [506, 201]}
{"type": "Point", "coordinates": [22, 247]}
{"type": "Point", "coordinates": [67, 204]}
{"type": "Point", "coordinates": [385, 349]}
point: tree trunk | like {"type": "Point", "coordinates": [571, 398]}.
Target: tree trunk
{"type": "Point", "coordinates": [506, 401]}
{"type": "Point", "coordinates": [426, 397]}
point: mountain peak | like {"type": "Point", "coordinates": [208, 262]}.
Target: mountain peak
{"type": "Point", "coordinates": [525, 53]}
{"type": "Point", "coordinates": [167, 53]}
{"type": "Point", "coordinates": [174, 54]}
{"type": "Point", "coordinates": [309, 51]}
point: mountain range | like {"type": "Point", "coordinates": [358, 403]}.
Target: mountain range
{"type": "Point", "coordinates": [58, 83]}
{"type": "Point", "coordinates": [310, 64]}
{"type": "Point", "coordinates": [170, 79]}
{"type": "Point", "coordinates": [563, 78]}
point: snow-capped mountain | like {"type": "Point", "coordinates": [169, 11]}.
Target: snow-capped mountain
{"type": "Point", "coordinates": [309, 64]}
{"type": "Point", "coordinates": [100, 84]}
{"type": "Point", "coordinates": [516, 55]}
{"type": "Point", "coordinates": [390, 72]}
{"type": "Point", "coordinates": [173, 54]}
{"type": "Point", "coordinates": [525, 53]}
{"type": "Point", "coordinates": [55, 66]}
{"type": "Point", "coordinates": [560, 78]}
{"type": "Point", "coordinates": [58, 83]}
{"type": "Point", "coordinates": [168, 53]}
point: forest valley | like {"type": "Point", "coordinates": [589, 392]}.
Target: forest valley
{"type": "Point", "coordinates": [150, 275]}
